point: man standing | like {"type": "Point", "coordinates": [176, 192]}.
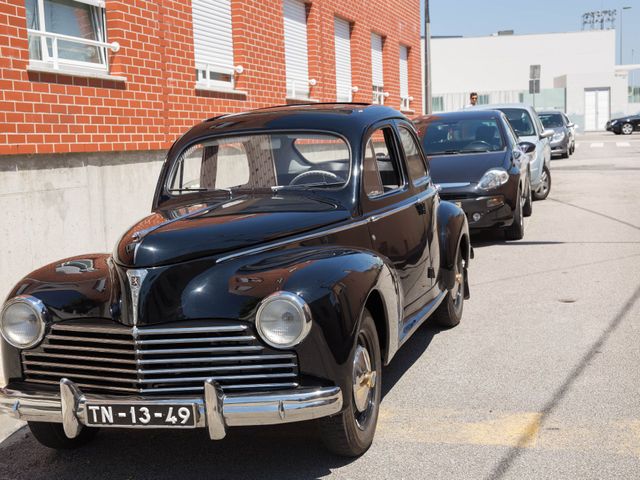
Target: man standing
{"type": "Point", "coordinates": [473, 100]}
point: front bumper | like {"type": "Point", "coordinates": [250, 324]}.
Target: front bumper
{"type": "Point", "coordinates": [490, 217]}
{"type": "Point", "coordinates": [215, 410]}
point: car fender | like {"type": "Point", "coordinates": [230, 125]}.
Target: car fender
{"type": "Point", "coordinates": [452, 228]}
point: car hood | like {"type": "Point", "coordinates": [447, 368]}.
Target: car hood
{"type": "Point", "coordinates": [464, 168]}
{"type": "Point", "coordinates": [194, 230]}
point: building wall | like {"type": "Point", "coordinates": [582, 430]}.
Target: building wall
{"type": "Point", "coordinates": [498, 66]}
{"type": "Point", "coordinates": [150, 97]}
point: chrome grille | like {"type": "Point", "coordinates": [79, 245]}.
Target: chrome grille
{"type": "Point", "coordinates": [120, 359]}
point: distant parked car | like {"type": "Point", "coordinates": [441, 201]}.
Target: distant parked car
{"type": "Point", "coordinates": [477, 162]}
{"type": "Point", "coordinates": [563, 142]}
{"type": "Point", "coordinates": [527, 125]}
{"type": "Point", "coordinates": [624, 125]}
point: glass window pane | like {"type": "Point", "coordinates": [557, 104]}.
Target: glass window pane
{"type": "Point", "coordinates": [380, 152]}
{"type": "Point", "coordinates": [77, 20]}
{"type": "Point", "coordinates": [415, 164]}
{"type": "Point", "coordinates": [35, 43]}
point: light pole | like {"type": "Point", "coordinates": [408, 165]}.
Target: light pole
{"type": "Point", "coordinates": [427, 59]}
{"type": "Point", "coordinates": [621, 15]}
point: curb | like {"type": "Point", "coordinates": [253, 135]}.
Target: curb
{"type": "Point", "coordinates": [9, 426]}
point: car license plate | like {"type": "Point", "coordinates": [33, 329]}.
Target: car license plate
{"type": "Point", "coordinates": [141, 415]}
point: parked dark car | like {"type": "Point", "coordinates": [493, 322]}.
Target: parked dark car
{"type": "Point", "coordinates": [476, 160]}
{"type": "Point", "coordinates": [290, 253]}
{"type": "Point", "coordinates": [563, 142]}
{"type": "Point", "coordinates": [624, 125]}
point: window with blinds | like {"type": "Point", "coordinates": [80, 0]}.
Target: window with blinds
{"type": "Point", "coordinates": [213, 43]}
{"type": "Point", "coordinates": [295, 49]}
{"type": "Point", "coordinates": [376, 69]}
{"type": "Point", "coordinates": [342, 34]}
{"type": "Point", "coordinates": [404, 78]}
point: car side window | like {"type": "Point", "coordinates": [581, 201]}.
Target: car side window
{"type": "Point", "coordinates": [415, 163]}
{"type": "Point", "coordinates": [381, 172]}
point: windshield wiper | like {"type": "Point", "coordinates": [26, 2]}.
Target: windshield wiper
{"type": "Point", "coordinates": [188, 189]}
{"type": "Point", "coordinates": [475, 151]}
{"type": "Point", "coordinates": [446, 152]}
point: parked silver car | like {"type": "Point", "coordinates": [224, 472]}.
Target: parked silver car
{"type": "Point", "coordinates": [527, 125]}
{"type": "Point", "coordinates": [563, 142]}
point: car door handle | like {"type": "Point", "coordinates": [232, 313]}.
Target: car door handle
{"type": "Point", "coordinates": [421, 208]}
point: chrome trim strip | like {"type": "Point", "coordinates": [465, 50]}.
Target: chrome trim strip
{"type": "Point", "coordinates": [171, 341]}
{"type": "Point", "coordinates": [239, 348]}
{"type": "Point", "coordinates": [214, 410]}
{"type": "Point", "coordinates": [218, 378]}
{"type": "Point", "coordinates": [53, 336]}
{"type": "Point", "coordinates": [228, 358]}
{"type": "Point", "coordinates": [454, 184]}
{"type": "Point", "coordinates": [82, 328]}
{"type": "Point", "coordinates": [136, 277]}
{"type": "Point", "coordinates": [224, 368]}
{"type": "Point", "coordinates": [173, 331]}
{"type": "Point", "coordinates": [46, 355]}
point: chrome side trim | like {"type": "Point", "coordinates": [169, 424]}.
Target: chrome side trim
{"type": "Point", "coordinates": [214, 409]}
{"type": "Point", "coordinates": [454, 185]}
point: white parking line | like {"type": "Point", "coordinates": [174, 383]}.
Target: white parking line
{"type": "Point", "coordinates": [597, 145]}
{"type": "Point", "coordinates": [623, 144]}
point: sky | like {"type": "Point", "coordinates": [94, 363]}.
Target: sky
{"type": "Point", "coordinates": [484, 17]}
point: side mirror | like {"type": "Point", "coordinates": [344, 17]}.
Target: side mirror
{"type": "Point", "coordinates": [547, 133]}
{"type": "Point", "coordinates": [527, 147]}
{"type": "Point", "coordinates": [571, 125]}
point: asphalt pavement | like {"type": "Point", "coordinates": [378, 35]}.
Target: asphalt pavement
{"type": "Point", "coordinates": [540, 380]}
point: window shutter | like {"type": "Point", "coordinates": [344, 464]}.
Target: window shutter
{"type": "Point", "coordinates": [376, 60]}
{"type": "Point", "coordinates": [404, 72]}
{"type": "Point", "coordinates": [295, 49]}
{"type": "Point", "coordinates": [342, 33]}
{"type": "Point", "coordinates": [213, 40]}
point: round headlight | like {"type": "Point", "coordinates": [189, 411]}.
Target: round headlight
{"type": "Point", "coordinates": [283, 319]}
{"type": "Point", "coordinates": [22, 321]}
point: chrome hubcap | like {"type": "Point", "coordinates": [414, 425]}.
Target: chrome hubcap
{"type": "Point", "coordinates": [458, 289]}
{"type": "Point", "coordinates": [364, 379]}
{"type": "Point", "coordinates": [544, 183]}
{"type": "Point", "coordinates": [626, 129]}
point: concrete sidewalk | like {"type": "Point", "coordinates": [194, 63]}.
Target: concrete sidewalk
{"type": "Point", "coordinates": [8, 426]}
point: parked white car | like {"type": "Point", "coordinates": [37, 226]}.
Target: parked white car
{"type": "Point", "coordinates": [527, 125]}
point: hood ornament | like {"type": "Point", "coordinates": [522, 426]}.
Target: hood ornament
{"type": "Point", "coordinates": [136, 277]}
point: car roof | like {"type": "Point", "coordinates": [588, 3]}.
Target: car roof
{"type": "Point", "coordinates": [343, 118]}
{"type": "Point", "coordinates": [500, 106]}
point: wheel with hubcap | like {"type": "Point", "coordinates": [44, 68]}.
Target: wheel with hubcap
{"type": "Point", "coordinates": [52, 435]}
{"type": "Point", "coordinates": [350, 433]}
{"type": "Point", "coordinates": [544, 188]}
{"type": "Point", "coordinates": [627, 129]}
{"type": "Point", "coordinates": [449, 312]}
{"type": "Point", "coordinates": [516, 230]}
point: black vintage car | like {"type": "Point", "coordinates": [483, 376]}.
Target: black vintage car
{"type": "Point", "coordinates": [625, 125]}
{"type": "Point", "coordinates": [477, 162]}
{"type": "Point", "coordinates": [290, 253]}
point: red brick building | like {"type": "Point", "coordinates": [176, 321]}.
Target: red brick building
{"type": "Point", "coordinates": [92, 93]}
{"type": "Point", "coordinates": [155, 68]}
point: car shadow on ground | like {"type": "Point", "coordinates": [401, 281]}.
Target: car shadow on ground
{"type": "Point", "coordinates": [291, 451]}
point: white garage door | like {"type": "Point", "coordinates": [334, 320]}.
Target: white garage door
{"type": "Point", "coordinates": [596, 108]}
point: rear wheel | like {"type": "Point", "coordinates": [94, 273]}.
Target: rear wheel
{"type": "Point", "coordinates": [627, 129]}
{"type": "Point", "coordinates": [350, 433]}
{"type": "Point", "coordinates": [544, 188]}
{"type": "Point", "coordinates": [449, 312]}
{"type": "Point", "coordinates": [516, 230]}
{"type": "Point", "coordinates": [52, 435]}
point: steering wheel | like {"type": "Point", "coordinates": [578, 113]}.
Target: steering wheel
{"type": "Point", "coordinates": [333, 178]}
{"type": "Point", "coordinates": [478, 144]}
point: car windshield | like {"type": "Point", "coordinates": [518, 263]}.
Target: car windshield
{"type": "Point", "coordinates": [551, 120]}
{"type": "Point", "coordinates": [520, 121]}
{"type": "Point", "coordinates": [274, 162]}
{"type": "Point", "coordinates": [471, 135]}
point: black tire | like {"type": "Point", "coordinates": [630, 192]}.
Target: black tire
{"type": "Point", "coordinates": [516, 230]}
{"type": "Point", "coordinates": [545, 185]}
{"type": "Point", "coordinates": [565, 154]}
{"type": "Point", "coordinates": [626, 129]}
{"type": "Point", "coordinates": [52, 435]}
{"type": "Point", "coordinates": [449, 312]}
{"type": "Point", "coordinates": [527, 209]}
{"type": "Point", "coordinates": [617, 132]}
{"type": "Point", "coordinates": [350, 433]}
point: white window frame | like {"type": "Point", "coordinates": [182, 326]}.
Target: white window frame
{"type": "Point", "coordinates": [297, 87]}
{"type": "Point", "coordinates": [204, 70]}
{"type": "Point", "coordinates": [377, 87]}
{"type": "Point", "coordinates": [53, 61]}
{"type": "Point", "coordinates": [405, 98]}
{"type": "Point", "coordinates": [345, 87]}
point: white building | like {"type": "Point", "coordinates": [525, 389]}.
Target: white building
{"type": "Point", "coordinates": [578, 73]}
